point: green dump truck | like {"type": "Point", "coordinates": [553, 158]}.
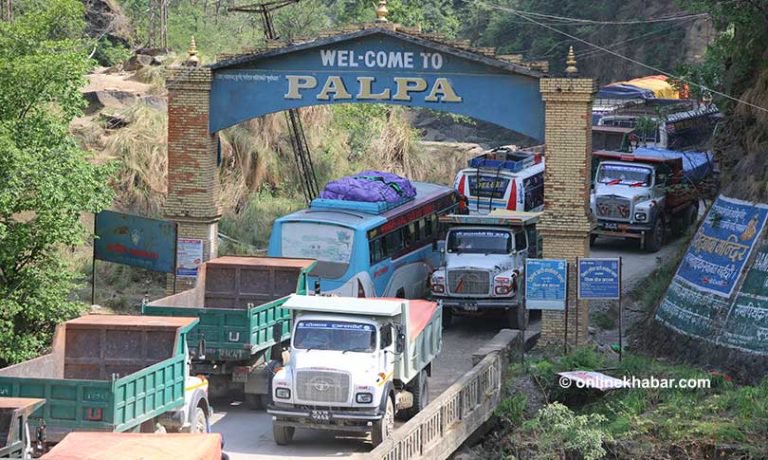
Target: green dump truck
{"type": "Point", "coordinates": [15, 439]}
{"type": "Point", "coordinates": [112, 373]}
{"type": "Point", "coordinates": [242, 325]}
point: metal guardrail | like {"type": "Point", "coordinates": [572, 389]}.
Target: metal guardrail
{"type": "Point", "coordinates": [441, 428]}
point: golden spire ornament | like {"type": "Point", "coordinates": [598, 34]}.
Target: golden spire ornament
{"type": "Point", "coordinates": [570, 62]}
{"type": "Point", "coordinates": [382, 11]}
{"type": "Point", "coordinates": [192, 58]}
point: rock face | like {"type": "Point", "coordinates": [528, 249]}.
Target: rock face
{"type": "Point", "coordinates": [106, 18]}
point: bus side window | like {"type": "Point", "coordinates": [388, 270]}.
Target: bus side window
{"type": "Point", "coordinates": [376, 248]}
{"type": "Point", "coordinates": [426, 226]}
{"type": "Point", "coordinates": [393, 242]}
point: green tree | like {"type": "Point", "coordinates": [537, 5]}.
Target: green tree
{"type": "Point", "coordinates": [47, 181]}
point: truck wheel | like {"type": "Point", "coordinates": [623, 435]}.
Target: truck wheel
{"type": "Point", "coordinates": [383, 428]}
{"type": "Point", "coordinates": [200, 421]}
{"type": "Point", "coordinates": [655, 239]}
{"type": "Point", "coordinates": [283, 434]}
{"type": "Point", "coordinates": [517, 318]}
{"type": "Point", "coordinates": [420, 394]}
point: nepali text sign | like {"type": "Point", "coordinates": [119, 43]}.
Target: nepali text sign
{"type": "Point", "coordinates": [190, 256]}
{"type": "Point", "coordinates": [135, 241]}
{"type": "Point", "coordinates": [546, 284]}
{"type": "Point", "coordinates": [722, 245]}
{"type": "Point", "coordinates": [376, 67]}
{"type": "Point", "coordinates": [599, 279]}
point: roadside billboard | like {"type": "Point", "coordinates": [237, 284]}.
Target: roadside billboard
{"type": "Point", "coordinates": [136, 241]}
{"type": "Point", "coordinates": [546, 284]}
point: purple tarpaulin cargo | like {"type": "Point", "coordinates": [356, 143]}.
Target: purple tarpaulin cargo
{"type": "Point", "coordinates": [369, 186]}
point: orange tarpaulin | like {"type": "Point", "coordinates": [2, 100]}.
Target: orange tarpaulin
{"type": "Point", "coordinates": [136, 446]}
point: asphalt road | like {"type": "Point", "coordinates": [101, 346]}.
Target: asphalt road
{"type": "Point", "coordinates": [248, 434]}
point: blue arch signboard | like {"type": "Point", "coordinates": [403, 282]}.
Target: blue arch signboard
{"type": "Point", "coordinates": [377, 66]}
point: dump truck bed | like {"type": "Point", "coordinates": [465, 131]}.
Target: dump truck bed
{"type": "Point", "coordinates": [105, 373]}
{"type": "Point", "coordinates": [132, 446]}
{"type": "Point", "coordinates": [238, 301]}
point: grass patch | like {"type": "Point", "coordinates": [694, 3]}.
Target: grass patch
{"type": "Point", "coordinates": [646, 422]}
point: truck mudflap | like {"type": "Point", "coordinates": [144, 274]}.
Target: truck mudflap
{"type": "Point", "coordinates": [331, 419]}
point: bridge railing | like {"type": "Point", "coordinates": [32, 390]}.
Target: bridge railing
{"type": "Point", "coordinates": [441, 428]}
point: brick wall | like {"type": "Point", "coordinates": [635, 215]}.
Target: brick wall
{"type": "Point", "coordinates": [193, 185]}
{"type": "Point", "coordinates": [566, 223]}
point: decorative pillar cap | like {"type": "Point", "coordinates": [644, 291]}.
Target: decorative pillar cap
{"type": "Point", "coordinates": [192, 58]}
{"type": "Point", "coordinates": [382, 11]}
{"type": "Point", "coordinates": [571, 69]}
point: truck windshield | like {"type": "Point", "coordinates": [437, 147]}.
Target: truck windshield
{"type": "Point", "coordinates": [624, 175]}
{"type": "Point", "coordinates": [330, 245]}
{"type": "Point", "coordinates": [479, 242]}
{"type": "Point", "coordinates": [335, 335]}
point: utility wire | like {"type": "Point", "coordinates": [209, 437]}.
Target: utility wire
{"type": "Point", "coordinates": [620, 56]}
{"type": "Point", "coordinates": [623, 43]}
{"type": "Point", "coordinates": [680, 17]}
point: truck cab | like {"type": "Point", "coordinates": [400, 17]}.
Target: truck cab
{"type": "Point", "coordinates": [483, 264]}
{"type": "Point", "coordinates": [354, 364]}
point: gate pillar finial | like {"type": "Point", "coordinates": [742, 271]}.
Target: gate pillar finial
{"type": "Point", "coordinates": [382, 11]}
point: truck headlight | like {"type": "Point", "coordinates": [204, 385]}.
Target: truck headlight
{"type": "Point", "coordinates": [641, 216]}
{"type": "Point", "coordinates": [437, 284]}
{"type": "Point", "coordinates": [364, 398]}
{"type": "Point", "coordinates": [283, 393]}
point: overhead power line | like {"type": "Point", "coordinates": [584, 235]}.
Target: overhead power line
{"type": "Point", "coordinates": [679, 17]}
{"type": "Point", "coordinates": [620, 56]}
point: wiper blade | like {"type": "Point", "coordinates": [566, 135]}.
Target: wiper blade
{"type": "Point", "coordinates": [358, 349]}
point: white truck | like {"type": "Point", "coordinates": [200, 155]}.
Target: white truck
{"type": "Point", "coordinates": [647, 193]}
{"type": "Point", "coordinates": [483, 265]}
{"type": "Point", "coordinates": [354, 364]}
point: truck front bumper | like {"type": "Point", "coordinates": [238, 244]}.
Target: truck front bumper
{"type": "Point", "coordinates": [324, 418]}
{"type": "Point", "coordinates": [469, 304]}
{"type": "Point", "coordinates": [621, 230]}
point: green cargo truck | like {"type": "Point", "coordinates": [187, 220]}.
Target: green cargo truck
{"type": "Point", "coordinates": [15, 438]}
{"type": "Point", "coordinates": [113, 373]}
{"type": "Point", "coordinates": [242, 325]}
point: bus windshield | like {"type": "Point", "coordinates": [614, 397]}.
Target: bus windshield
{"type": "Point", "coordinates": [330, 245]}
{"type": "Point", "coordinates": [479, 242]}
{"type": "Point", "coordinates": [335, 335]}
{"type": "Point", "coordinates": [624, 175]}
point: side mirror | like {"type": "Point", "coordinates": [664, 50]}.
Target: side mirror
{"type": "Point", "coordinates": [400, 343]}
{"type": "Point", "coordinates": [277, 331]}
{"type": "Point", "coordinates": [317, 287]}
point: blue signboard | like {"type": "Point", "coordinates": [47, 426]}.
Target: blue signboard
{"type": "Point", "coordinates": [722, 245]}
{"type": "Point", "coordinates": [599, 279]}
{"type": "Point", "coordinates": [546, 284]}
{"type": "Point", "coordinates": [377, 66]}
{"type": "Point", "coordinates": [136, 241]}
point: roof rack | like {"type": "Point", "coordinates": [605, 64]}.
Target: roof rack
{"type": "Point", "coordinates": [368, 207]}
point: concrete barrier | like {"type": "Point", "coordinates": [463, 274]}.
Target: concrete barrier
{"type": "Point", "coordinates": [441, 428]}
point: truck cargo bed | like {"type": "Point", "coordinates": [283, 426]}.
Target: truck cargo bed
{"type": "Point", "coordinates": [105, 373]}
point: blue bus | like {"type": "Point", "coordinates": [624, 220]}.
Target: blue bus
{"type": "Point", "coordinates": [363, 252]}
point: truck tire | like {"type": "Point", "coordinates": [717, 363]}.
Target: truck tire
{"type": "Point", "coordinates": [200, 421]}
{"type": "Point", "coordinates": [517, 318]}
{"type": "Point", "coordinates": [420, 391]}
{"type": "Point", "coordinates": [283, 434]}
{"type": "Point", "coordinates": [383, 428]}
{"type": "Point", "coordinates": [655, 239]}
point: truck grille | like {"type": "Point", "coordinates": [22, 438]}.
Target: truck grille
{"type": "Point", "coordinates": [614, 207]}
{"type": "Point", "coordinates": [322, 387]}
{"type": "Point", "coordinates": [469, 282]}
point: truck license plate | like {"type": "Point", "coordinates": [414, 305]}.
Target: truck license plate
{"type": "Point", "coordinates": [611, 226]}
{"type": "Point", "coordinates": [322, 416]}
{"type": "Point", "coordinates": [469, 307]}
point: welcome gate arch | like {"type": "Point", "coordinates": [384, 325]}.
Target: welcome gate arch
{"type": "Point", "coordinates": [385, 63]}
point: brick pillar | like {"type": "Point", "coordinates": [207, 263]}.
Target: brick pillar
{"type": "Point", "coordinates": [193, 187]}
{"type": "Point", "coordinates": [566, 223]}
